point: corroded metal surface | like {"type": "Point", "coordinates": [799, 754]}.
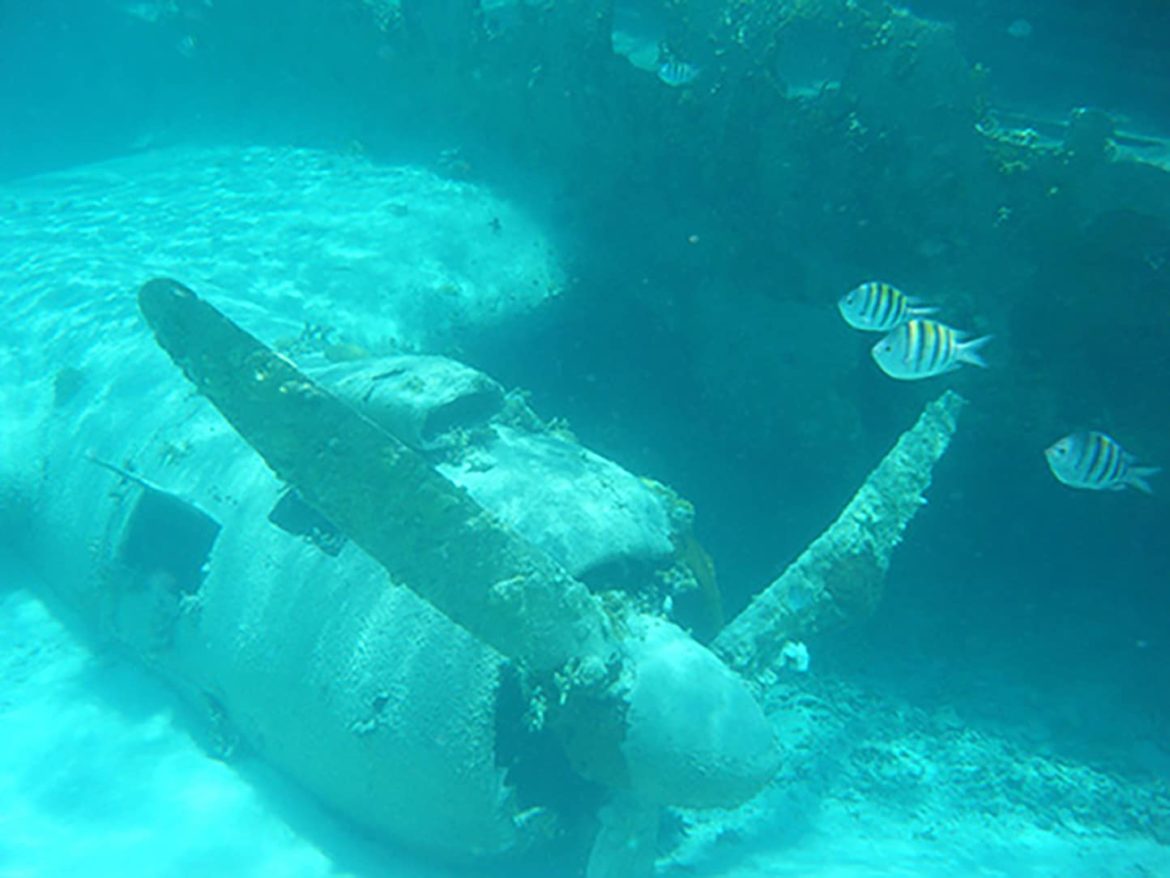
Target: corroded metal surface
{"type": "Point", "coordinates": [427, 533]}
{"type": "Point", "coordinates": [840, 576]}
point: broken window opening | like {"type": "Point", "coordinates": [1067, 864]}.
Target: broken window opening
{"type": "Point", "coordinates": [168, 539]}
{"type": "Point", "coordinates": [293, 515]}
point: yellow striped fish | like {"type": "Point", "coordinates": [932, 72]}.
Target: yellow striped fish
{"type": "Point", "coordinates": [1097, 462]}
{"type": "Point", "coordinates": [924, 348]}
{"type": "Point", "coordinates": [879, 307]}
{"type": "Point", "coordinates": [676, 73]}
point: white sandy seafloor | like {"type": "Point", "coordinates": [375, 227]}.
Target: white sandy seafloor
{"type": "Point", "coordinates": [102, 774]}
{"type": "Point", "coordinates": [392, 258]}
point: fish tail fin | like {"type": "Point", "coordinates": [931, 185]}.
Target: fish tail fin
{"type": "Point", "coordinates": [1137, 475]}
{"type": "Point", "coordinates": [916, 310]}
{"type": "Point", "coordinates": [969, 351]}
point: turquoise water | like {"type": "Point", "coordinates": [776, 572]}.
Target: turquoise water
{"type": "Point", "coordinates": [658, 264]}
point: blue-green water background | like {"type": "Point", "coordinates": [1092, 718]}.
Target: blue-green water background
{"type": "Point", "coordinates": [1013, 598]}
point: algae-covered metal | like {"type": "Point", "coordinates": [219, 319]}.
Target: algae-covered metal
{"type": "Point", "coordinates": [840, 576]}
{"type": "Point", "coordinates": [426, 532]}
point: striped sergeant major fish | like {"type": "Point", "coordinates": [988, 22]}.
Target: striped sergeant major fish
{"type": "Point", "coordinates": [924, 348]}
{"type": "Point", "coordinates": [879, 307]}
{"type": "Point", "coordinates": [676, 73]}
{"type": "Point", "coordinates": [1092, 460]}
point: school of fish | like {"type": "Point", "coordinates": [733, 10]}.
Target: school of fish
{"type": "Point", "coordinates": [915, 346]}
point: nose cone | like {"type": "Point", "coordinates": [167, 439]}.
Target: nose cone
{"type": "Point", "coordinates": [695, 736]}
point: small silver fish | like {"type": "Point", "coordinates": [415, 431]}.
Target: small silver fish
{"type": "Point", "coordinates": [676, 73]}
{"type": "Point", "coordinates": [878, 307]}
{"type": "Point", "coordinates": [1092, 460]}
{"type": "Point", "coordinates": [924, 348]}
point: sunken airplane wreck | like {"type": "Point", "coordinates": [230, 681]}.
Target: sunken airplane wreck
{"type": "Point", "coordinates": [347, 569]}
